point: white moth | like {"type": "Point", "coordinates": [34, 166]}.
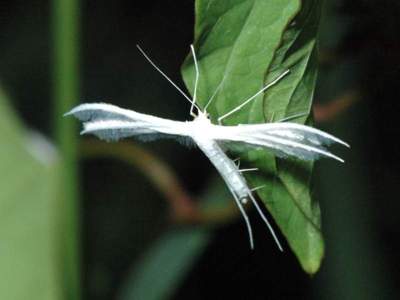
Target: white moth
{"type": "Point", "coordinates": [111, 123]}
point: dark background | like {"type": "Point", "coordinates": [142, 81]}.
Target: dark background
{"type": "Point", "coordinates": [122, 212]}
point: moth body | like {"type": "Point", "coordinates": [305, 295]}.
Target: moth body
{"type": "Point", "coordinates": [201, 131]}
{"type": "Point", "coordinates": [225, 166]}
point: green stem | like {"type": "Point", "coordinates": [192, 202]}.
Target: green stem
{"type": "Point", "coordinates": [65, 24]}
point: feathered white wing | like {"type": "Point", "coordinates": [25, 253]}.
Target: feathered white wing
{"type": "Point", "coordinates": [111, 123]}
{"type": "Point", "coordinates": [283, 139]}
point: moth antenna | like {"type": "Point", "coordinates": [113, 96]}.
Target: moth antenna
{"type": "Point", "coordinates": [166, 77]}
{"type": "Point", "coordinates": [195, 82]}
{"type": "Point", "coordinates": [266, 221]}
{"type": "Point", "coordinates": [272, 83]}
{"type": "Point", "coordinates": [248, 170]}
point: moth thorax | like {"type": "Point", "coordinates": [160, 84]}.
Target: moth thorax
{"type": "Point", "coordinates": [244, 200]}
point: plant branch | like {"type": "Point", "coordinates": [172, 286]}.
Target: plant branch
{"type": "Point", "coordinates": [184, 209]}
{"type": "Point", "coordinates": [334, 108]}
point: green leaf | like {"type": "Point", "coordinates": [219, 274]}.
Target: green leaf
{"type": "Point", "coordinates": [162, 269]}
{"type": "Point", "coordinates": [165, 265]}
{"type": "Point", "coordinates": [241, 46]}
{"type": "Point", "coordinates": [29, 248]}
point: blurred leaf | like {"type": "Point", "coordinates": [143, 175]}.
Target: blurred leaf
{"type": "Point", "coordinates": [241, 46]}
{"type": "Point", "coordinates": [164, 266]}
{"type": "Point", "coordinates": [29, 263]}
{"type": "Point", "coordinates": [161, 271]}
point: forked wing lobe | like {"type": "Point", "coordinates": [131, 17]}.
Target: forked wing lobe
{"type": "Point", "coordinates": [283, 139]}
{"type": "Point", "coordinates": [111, 123]}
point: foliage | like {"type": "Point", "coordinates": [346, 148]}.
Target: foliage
{"type": "Point", "coordinates": [30, 222]}
{"type": "Point", "coordinates": [241, 46]}
{"type": "Point", "coordinates": [170, 257]}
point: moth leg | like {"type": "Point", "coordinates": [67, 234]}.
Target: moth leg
{"type": "Point", "coordinates": [258, 188]}
{"type": "Point", "coordinates": [214, 94]}
{"type": "Point", "coordinates": [271, 120]}
{"type": "Point", "coordinates": [237, 162]}
{"type": "Point", "coordinates": [248, 170]}
{"type": "Point", "coordinates": [265, 220]}
{"type": "Point", "coordinates": [272, 83]}
{"type": "Point", "coordinates": [246, 218]}
{"type": "Point", "coordinates": [295, 116]}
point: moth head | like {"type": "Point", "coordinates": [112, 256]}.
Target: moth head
{"type": "Point", "coordinates": [202, 115]}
